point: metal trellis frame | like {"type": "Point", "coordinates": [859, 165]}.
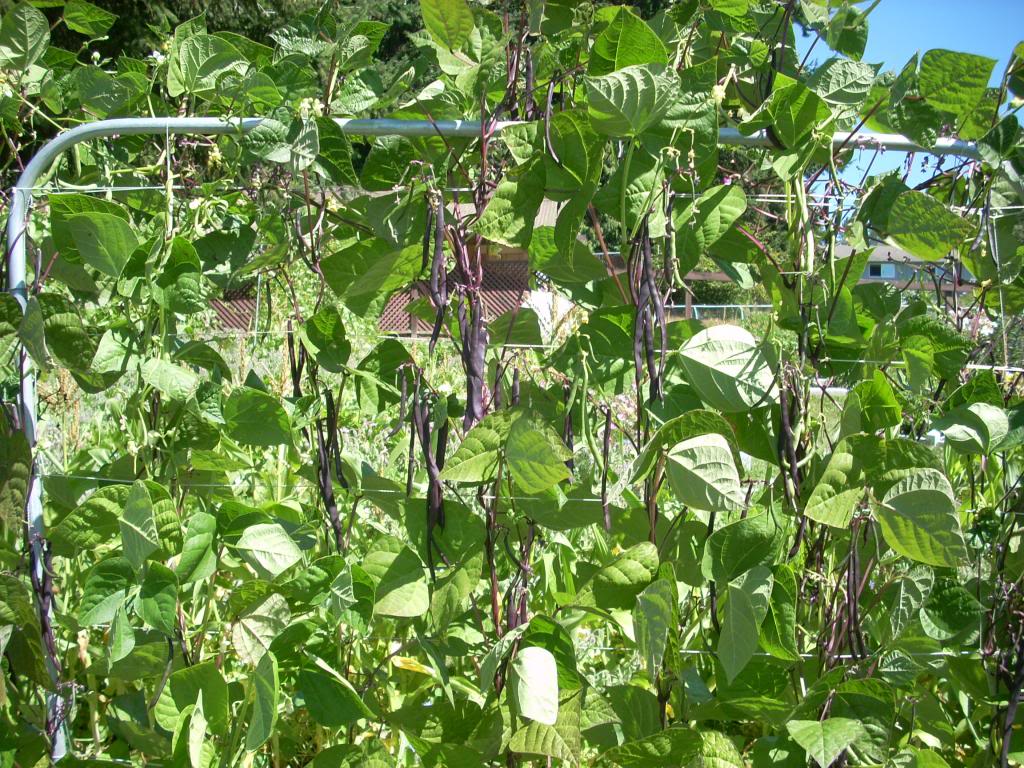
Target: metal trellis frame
{"type": "Point", "coordinates": [21, 204]}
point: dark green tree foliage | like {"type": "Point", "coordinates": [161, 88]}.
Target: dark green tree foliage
{"type": "Point", "coordinates": [610, 537]}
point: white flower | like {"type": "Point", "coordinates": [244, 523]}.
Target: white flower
{"type": "Point", "coordinates": [157, 56]}
{"type": "Point", "coordinates": [718, 93]}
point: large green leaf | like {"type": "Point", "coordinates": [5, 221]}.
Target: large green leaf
{"type": "Point", "coordinates": [736, 548]}
{"type": "Point", "coordinates": [268, 547]}
{"type": "Point", "coordinates": [266, 691]}
{"type": "Point", "coordinates": [617, 584]}
{"type": "Point", "coordinates": [703, 475]}
{"type": "Point", "coordinates": [729, 369]}
{"type": "Point", "coordinates": [562, 740]}
{"type": "Point", "coordinates": [450, 22]}
{"type": "Point", "coordinates": [105, 241]}
{"type": "Point", "coordinates": [747, 600]}
{"type": "Point", "coordinates": [824, 740]}
{"type": "Point", "coordinates": [256, 418]}
{"type": "Point", "coordinates": [198, 560]}
{"type": "Point", "coordinates": [402, 590]}
{"type": "Point", "coordinates": [974, 427]}
{"type": "Point", "coordinates": [918, 519]}
{"type": "Point", "coordinates": [703, 222]}
{"type": "Point", "coordinates": [158, 600]}
{"type": "Point", "coordinates": [24, 36]}
{"type": "Point", "coordinates": [954, 82]}
{"type": "Point", "coordinates": [509, 216]}
{"type": "Point", "coordinates": [536, 456]}
{"type": "Point", "coordinates": [15, 468]}
{"type": "Point", "coordinates": [254, 631]}
{"type": "Point", "coordinates": [183, 689]}
{"type": "Point", "coordinates": [925, 227]}
{"type": "Point", "coordinates": [476, 459]}
{"type": "Point", "coordinates": [666, 749]}
{"type": "Point", "coordinates": [654, 616]}
{"type": "Point", "coordinates": [839, 490]}
{"type": "Point", "coordinates": [630, 100]}
{"type": "Point", "coordinates": [138, 526]}
{"type": "Point", "coordinates": [174, 381]}
{"type": "Point", "coordinates": [627, 40]}
{"type": "Point", "coordinates": [331, 700]}
{"type": "Point", "coordinates": [535, 675]}
{"type": "Point", "coordinates": [91, 20]}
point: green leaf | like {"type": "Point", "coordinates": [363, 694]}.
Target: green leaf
{"type": "Point", "coordinates": [654, 615]}
{"type": "Point", "coordinates": [665, 749]}
{"type": "Point", "coordinates": [561, 741]}
{"type": "Point", "coordinates": [906, 598]}
{"type": "Point", "coordinates": [198, 561]}
{"type": "Point", "coordinates": [630, 100]}
{"type": "Point", "coordinates": [104, 591]}
{"type": "Point", "coordinates": [954, 82]}
{"type": "Point", "coordinates": [974, 427]}
{"type": "Point", "coordinates": [703, 222]}
{"type": "Point", "coordinates": [266, 689]}
{"type": "Point", "coordinates": [450, 22]}
{"type": "Point", "coordinates": [729, 368]}
{"type": "Point", "coordinates": [535, 676]}
{"type": "Point", "coordinates": [202, 62]}
{"type": "Point", "coordinates": [331, 701]}
{"type": "Point", "coordinates": [138, 526]}
{"type": "Point", "coordinates": [839, 490]}
{"type": "Point", "coordinates": [184, 688]}
{"type": "Point", "coordinates": [843, 82]}
{"type": "Point", "coordinates": [15, 471]}
{"type": "Point", "coordinates": [88, 19]}
{"type": "Point", "coordinates": [324, 336]}
{"type": "Point", "coordinates": [365, 274]}
{"type": "Point", "coordinates": [24, 36]}
{"type": "Point", "coordinates": [703, 475]}
{"type": "Point", "coordinates": [778, 631]}
{"type": "Point", "coordinates": [746, 606]}
{"type": "Point", "coordinates": [509, 216]}
{"type": "Point", "coordinates": [918, 519]}
{"type": "Point", "coordinates": [256, 418]}
{"type": "Point", "coordinates": [67, 338]}
{"type": "Point", "coordinates": [627, 40]}
{"type": "Point", "coordinates": [924, 227]}
{"type": "Point", "coordinates": [476, 459]}
{"type": "Point", "coordinates": [536, 456]}
{"type": "Point", "coordinates": [793, 112]}
{"type": "Point", "coordinates": [253, 633]}
{"type": "Point", "coordinates": [878, 403]}
{"type": "Point", "coordinates": [121, 638]}
{"type": "Point", "coordinates": [736, 548]}
{"type": "Point", "coordinates": [105, 241]}
{"type": "Point", "coordinates": [174, 381]}
{"type": "Point", "coordinates": [158, 600]}
{"type": "Point", "coordinates": [402, 590]}
{"type": "Point", "coordinates": [267, 547]}
{"type": "Point", "coordinates": [824, 740]}
{"type": "Point", "coordinates": [617, 584]}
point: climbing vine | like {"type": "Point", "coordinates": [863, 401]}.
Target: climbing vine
{"type": "Point", "coordinates": [584, 529]}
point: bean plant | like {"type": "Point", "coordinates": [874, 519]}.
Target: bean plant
{"type": "Point", "coordinates": [604, 535]}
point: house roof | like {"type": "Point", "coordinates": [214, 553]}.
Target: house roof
{"type": "Point", "coordinates": [505, 285]}
{"type": "Point", "coordinates": [880, 253]}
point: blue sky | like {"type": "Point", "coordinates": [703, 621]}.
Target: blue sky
{"type": "Point", "coordinates": [899, 28]}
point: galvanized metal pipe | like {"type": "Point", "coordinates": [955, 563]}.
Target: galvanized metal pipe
{"type": "Point", "coordinates": [21, 203]}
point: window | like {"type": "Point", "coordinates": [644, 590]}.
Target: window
{"type": "Point", "coordinates": [887, 271]}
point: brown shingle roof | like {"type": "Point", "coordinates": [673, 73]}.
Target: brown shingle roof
{"type": "Point", "coordinates": [505, 285]}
